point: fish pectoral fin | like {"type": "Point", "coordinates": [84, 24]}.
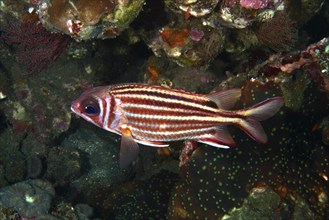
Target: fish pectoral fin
{"type": "Point", "coordinates": [152, 143]}
{"type": "Point", "coordinates": [129, 148]}
{"type": "Point", "coordinates": [225, 99]}
{"type": "Point", "coordinates": [219, 138]}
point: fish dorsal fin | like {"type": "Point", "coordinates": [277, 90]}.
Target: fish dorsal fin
{"type": "Point", "coordinates": [219, 138]}
{"type": "Point", "coordinates": [225, 99]}
{"type": "Point", "coordinates": [129, 148]}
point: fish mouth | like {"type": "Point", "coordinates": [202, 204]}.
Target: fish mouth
{"type": "Point", "coordinates": [75, 107]}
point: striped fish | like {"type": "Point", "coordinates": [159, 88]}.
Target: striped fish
{"type": "Point", "coordinates": [154, 115]}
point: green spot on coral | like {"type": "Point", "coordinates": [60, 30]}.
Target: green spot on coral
{"type": "Point", "coordinates": [326, 49]}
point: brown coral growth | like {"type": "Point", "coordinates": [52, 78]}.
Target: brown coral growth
{"type": "Point", "coordinates": [278, 33]}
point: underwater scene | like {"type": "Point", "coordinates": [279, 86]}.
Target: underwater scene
{"type": "Point", "coordinates": [164, 109]}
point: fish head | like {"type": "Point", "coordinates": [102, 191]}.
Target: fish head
{"type": "Point", "coordinates": [91, 105]}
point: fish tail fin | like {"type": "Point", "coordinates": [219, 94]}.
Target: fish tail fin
{"type": "Point", "coordinates": [259, 112]}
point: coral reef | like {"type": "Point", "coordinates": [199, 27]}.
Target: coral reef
{"type": "Point", "coordinates": [188, 47]}
{"type": "Point", "coordinates": [241, 14]}
{"type": "Point", "coordinates": [287, 165]}
{"type": "Point", "coordinates": [85, 19]}
{"type": "Point", "coordinates": [54, 165]}
{"type": "Point", "coordinates": [99, 166]}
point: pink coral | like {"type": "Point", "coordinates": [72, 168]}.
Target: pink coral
{"type": "Point", "coordinates": [196, 34]}
{"type": "Point", "coordinates": [255, 4]}
{"type": "Point", "coordinates": [35, 2]}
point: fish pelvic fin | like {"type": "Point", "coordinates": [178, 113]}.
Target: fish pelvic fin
{"type": "Point", "coordinates": [259, 112]}
{"type": "Point", "coordinates": [129, 148]}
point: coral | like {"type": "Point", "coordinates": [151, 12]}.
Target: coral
{"type": "Point", "coordinates": [35, 2]}
{"type": "Point", "coordinates": [243, 13]}
{"type": "Point", "coordinates": [100, 169]}
{"type": "Point", "coordinates": [65, 210]}
{"type": "Point", "coordinates": [313, 61]}
{"type": "Point", "coordinates": [12, 9]}
{"type": "Point", "coordinates": [296, 69]}
{"type": "Point", "coordinates": [255, 4]}
{"type": "Point", "coordinates": [83, 211]}
{"type": "Point", "coordinates": [34, 166]}
{"type": "Point", "coordinates": [11, 159]}
{"type": "Point", "coordinates": [38, 108]}
{"type": "Point", "coordinates": [213, 182]}
{"type": "Point", "coordinates": [196, 34]}
{"type": "Point", "coordinates": [304, 10]}
{"type": "Point", "coordinates": [33, 114]}
{"type": "Point", "coordinates": [63, 165]}
{"type": "Point", "coordinates": [30, 198]}
{"type": "Point", "coordinates": [188, 47]}
{"type": "Point", "coordinates": [278, 33]}
{"type": "Point", "coordinates": [196, 8]}
{"type": "Point", "coordinates": [35, 48]}
{"type": "Point", "coordinates": [88, 19]}
{"type": "Point", "coordinates": [206, 80]}
{"type": "Point", "coordinates": [191, 44]}
{"type": "Point", "coordinates": [261, 203]}
{"type": "Point", "coordinates": [174, 37]}
{"type": "Point", "coordinates": [3, 181]}
{"type": "Point", "coordinates": [142, 199]}
{"type": "Point", "coordinates": [268, 17]}
{"type": "Point", "coordinates": [264, 203]}
{"type": "Point", "coordinates": [294, 97]}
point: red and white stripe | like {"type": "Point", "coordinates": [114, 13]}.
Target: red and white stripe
{"type": "Point", "coordinates": [157, 113]}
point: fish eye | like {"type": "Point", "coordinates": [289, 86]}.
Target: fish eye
{"type": "Point", "coordinates": [91, 107]}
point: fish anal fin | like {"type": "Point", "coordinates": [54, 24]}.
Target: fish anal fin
{"type": "Point", "coordinates": [225, 99]}
{"type": "Point", "coordinates": [254, 129]}
{"type": "Point", "coordinates": [152, 143]}
{"type": "Point", "coordinates": [129, 148]}
{"type": "Point", "coordinates": [213, 142]}
{"type": "Point", "coordinates": [219, 138]}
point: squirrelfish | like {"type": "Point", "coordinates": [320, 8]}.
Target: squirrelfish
{"type": "Point", "coordinates": [154, 115]}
